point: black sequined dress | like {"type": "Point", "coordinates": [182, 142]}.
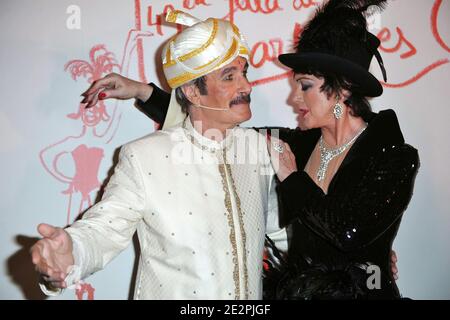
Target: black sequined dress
{"type": "Point", "coordinates": [340, 242]}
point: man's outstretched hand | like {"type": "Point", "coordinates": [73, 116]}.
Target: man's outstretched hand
{"type": "Point", "coordinates": [52, 255]}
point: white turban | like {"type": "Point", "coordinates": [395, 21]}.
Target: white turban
{"type": "Point", "coordinates": [204, 46]}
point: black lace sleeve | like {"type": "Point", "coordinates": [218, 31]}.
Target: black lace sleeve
{"type": "Point", "coordinates": [363, 208]}
{"type": "Point", "coordinates": [156, 106]}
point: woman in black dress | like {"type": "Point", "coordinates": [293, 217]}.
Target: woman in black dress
{"type": "Point", "coordinates": [352, 176]}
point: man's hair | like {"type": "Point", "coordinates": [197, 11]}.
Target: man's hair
{"type": "Point", "coordinates": [334, 83]}
{"type": "Point", "coordinates": [184, 102]}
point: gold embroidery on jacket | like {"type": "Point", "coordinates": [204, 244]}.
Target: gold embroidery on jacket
{"type": "Point", "coordinates": [243, 233]}
{"type": "Point", "coordinates": [227, 200]}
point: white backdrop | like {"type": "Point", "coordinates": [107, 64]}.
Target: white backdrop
{"type": "Point", "coordinates": [53, 161]}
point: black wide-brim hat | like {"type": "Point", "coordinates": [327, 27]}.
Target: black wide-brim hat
{"type": "Point", "coordinates": [366, 82]}
{"type": "Point", "coordinates": [334, 43]}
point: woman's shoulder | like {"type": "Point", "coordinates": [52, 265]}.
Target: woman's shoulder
{"type": "Point", "coordinates": [404, 150]}
{"type": "Point", "coordinates": [384, 134]}
{"type": "Point", "coordinates": [397, 160]}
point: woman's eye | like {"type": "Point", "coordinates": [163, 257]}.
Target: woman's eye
{"type": "Point", "coordinates": [305, 86]}
{"type": "Point", "coordinates": [228, 77]}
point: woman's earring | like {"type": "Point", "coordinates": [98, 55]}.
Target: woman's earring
{"type": "Point", "coordinates": [337, 110]}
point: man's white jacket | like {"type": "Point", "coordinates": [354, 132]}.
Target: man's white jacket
{"type": "Point", "coordinates": [200, 210]}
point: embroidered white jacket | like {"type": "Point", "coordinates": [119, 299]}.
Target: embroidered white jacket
{"type": "Point", "coordinates": [200, 210]}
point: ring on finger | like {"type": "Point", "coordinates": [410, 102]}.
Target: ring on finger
{"type": "Point", "coordinates": [278, 147]}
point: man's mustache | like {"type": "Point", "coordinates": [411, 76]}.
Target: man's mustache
{"type": "Point", "coordinates": [241, 99]}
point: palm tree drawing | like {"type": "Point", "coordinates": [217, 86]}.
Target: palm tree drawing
{"type": "Point", "coordinates": [75, 159]}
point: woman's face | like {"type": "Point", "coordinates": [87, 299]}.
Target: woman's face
{"type": "Point", "coordinates": [314, 106]}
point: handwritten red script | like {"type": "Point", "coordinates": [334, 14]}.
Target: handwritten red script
{"type": "Point", "coordinates": [266, 51]}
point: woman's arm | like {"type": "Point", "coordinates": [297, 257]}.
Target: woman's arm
{"type": "Point", "coordinates": [150, 99]}
{"type": "Point", "coordinates": [156, 106]}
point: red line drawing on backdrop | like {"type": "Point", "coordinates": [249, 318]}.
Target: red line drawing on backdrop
{"type": "Point", "coordinates": [156, 19]}
{"type": "Point", "coordinates": [159, 18]}
{"type": "Point", "coordinates": [270, 6]}
{"type": "Point", "coordinates": [434, 25]}
{"type": "Point", "coordinates": [270, 79]}
{"type": "Point", "coordinates": [256, 6]}
{"type": "Point", "coordinates": [86, 159]}
{"type": "Point", "coordinates": [300, 4]}
{"type": "Point", "coordinates": [191, 4]}
{"type": "Point", "coordinates": [269, 52]}
{"type": "Point", "coordinates": [417, 76]}
{"type": "Point", "coordinates": [385, 35]}
{"type": "Point", "coordinates": [140, 49]}
{"type": "Point", "coordinates": [85, 288]}
{"type": "Point", "coordinates": [187, 4]}
{"type": "Point", "coordinates": [297, 30]}
{"type": "Point", "coordinates": [85, 151]}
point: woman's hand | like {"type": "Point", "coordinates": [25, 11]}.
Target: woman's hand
{"type": "Point", "coordinates": [116, 86]}
{"type": "Point", "coordinates": [283, 160]}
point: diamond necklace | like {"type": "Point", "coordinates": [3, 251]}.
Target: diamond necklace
{"type": "Point", "coordinates": [326, 154]}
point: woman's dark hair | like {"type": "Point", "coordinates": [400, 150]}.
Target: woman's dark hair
{"type": "Point", "coordinates": [184, 102]}
{"type": "Point", "coordinates": [334, 83]}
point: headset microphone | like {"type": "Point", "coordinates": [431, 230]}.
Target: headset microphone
{"type": "Point", "coordinates": [210, 108]}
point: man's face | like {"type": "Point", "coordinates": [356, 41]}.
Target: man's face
{"type": "Point", "coordinates": [228, 87]}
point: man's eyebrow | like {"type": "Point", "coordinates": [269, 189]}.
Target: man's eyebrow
{"type": "Point", "coordinates": [228, 70]}
{"type": "Point", "coordinates": [232, 69]}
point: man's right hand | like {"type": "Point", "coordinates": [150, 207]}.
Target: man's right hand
{"type": "Point", "coordinates": [52, 255]}
{"type": "Point", "coordinates": [116, 86]}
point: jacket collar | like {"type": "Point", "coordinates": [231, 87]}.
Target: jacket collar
{"type": "Point", "coordinates": [383, 131]}
{"type": "Point", "coordinates": [203, 142]}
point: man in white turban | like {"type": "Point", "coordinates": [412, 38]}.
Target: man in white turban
{"type": "Point", "coordinates": [200, 192]}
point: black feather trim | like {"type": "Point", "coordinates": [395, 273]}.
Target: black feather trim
{"type": "Point", "coordinates": [336, 21]}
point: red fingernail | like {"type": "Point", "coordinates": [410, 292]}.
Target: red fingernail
{"type": "Point", "coordinates": [102, 96]}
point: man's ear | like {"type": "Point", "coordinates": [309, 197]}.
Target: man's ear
{"type": "Point", "coordinates": [192, 93]}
